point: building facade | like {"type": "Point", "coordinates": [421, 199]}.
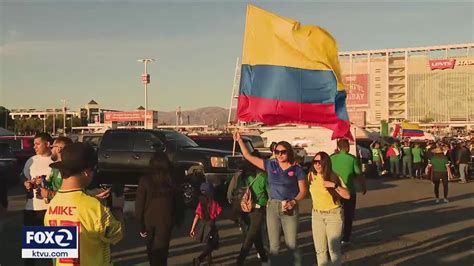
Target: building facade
{"type": "Point", "coordinates": [422, 84]}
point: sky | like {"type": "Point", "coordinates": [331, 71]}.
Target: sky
{"type": "Point", "coordinates": [81, 49]}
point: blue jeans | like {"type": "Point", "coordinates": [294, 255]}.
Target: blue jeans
{"type": "Point", "coordinates": [407, 166]}
{"type": "Point", "coordinates": [276, 220]}
{"type": "Point", "coordinates": [379, 166]}
{"type": "Point", "coordinates": [395, 168]}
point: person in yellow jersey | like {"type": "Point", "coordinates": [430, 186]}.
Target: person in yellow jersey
{"type": "Point", "coordinates": [99, 227]}
{"type": "Point", "coordinates": [326, 189]}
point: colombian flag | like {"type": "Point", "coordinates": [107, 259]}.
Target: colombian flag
{"type": "Point", "coordinates": [290, 74]}
{"type": "Point", "coordinates": [411, 130]}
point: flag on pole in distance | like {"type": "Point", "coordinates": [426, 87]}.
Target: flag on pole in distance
{"type": "Point", "coordinates": [411, 130]}
{"type": "Point", "coordinates": [291, 74]}
{"type": "Point", "coordinates": [396, 131]}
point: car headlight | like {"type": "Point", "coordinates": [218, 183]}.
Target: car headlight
{"type": "Point", "coordinates": [218, 162]}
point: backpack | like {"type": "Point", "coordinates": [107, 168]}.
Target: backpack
{"type": "Point", "coordinates": [246, 202]}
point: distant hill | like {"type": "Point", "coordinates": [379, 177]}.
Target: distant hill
{"type": "Point", "coordinates": [213, 116]}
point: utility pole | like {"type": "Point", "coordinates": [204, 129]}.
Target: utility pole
{"type": "Point", "coordinates": [64, 116]}
{"type": "Point", "coordinates": [146, 81]}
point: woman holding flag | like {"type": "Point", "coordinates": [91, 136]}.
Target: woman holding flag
{"type": "Point", "coordinates": [288, 185]}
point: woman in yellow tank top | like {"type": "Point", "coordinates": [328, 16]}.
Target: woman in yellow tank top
{"type": "Point", "coordinates": [326, 189]}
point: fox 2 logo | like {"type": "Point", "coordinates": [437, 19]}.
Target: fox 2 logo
{"type": "Point", "coordinates": [50, 237]}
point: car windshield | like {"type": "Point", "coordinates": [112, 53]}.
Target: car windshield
{"type": "Point", "coordinates": [178, 139]}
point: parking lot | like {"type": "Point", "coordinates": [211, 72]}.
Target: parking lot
{"type": "Point", "coordinates": [397, 223]}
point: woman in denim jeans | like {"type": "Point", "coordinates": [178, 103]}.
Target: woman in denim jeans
{"type": "Point", "coordinates": [288, 185]}
{"type": "Point", "coordinates": [326, 189]}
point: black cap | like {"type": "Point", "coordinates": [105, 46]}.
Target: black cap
{"type": "Point", "coordinates": [76, 157]}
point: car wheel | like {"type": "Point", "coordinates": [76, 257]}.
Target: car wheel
{"type": "Point", "coordinates": [189, 193]}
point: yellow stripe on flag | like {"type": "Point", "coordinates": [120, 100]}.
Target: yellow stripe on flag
{"type": "Point", "coordinates": [275, 40]}
{"type": "Point", "coordinates": [407, 125]}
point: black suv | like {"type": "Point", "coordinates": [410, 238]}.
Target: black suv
{"type": "Point", "coordinates": [124, 156]}
{"type": "Point", "coordinates": [9, 168]}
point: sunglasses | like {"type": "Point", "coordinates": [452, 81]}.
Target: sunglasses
{"type": "Point", "coordinates": [281, 152]}
{"type": "Point", "coordinates": [317, 161]}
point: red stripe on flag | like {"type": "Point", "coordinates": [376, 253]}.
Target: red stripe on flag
{"type": "Point", "coordinates": [274, 112]}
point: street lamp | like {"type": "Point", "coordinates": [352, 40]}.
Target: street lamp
{"type": "Point", "coordinates": [64, 116]}
{"type": "Point", "coordinates": [146, 81]}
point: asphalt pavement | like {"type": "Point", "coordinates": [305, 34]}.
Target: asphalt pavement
{"type": "Point", "coordinates": [397, 223]}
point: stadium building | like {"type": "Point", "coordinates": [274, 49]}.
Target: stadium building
{"type": "Point", "coordinates": [431, 85]}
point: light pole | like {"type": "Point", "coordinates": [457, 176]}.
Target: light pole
{"type": "Point", "coordinates": [146, 81]}
{"type": "Point", "coordinates": [64, 116]}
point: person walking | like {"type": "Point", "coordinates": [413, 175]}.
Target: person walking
{"type": "Point", "coordinates": [377, 157]}
{"type": "Point", "coordinates": [256, 180]}
{"type": "Point", "coordinates": [326, 189]}
{"type": "Point", "coordinates": [207, 211]}
{"type": "Point", "coordinates": [35, 171]}
{"type": "Point", "coordinates": [439, 162]}
{"type": "Point", "coordinates": [346, 166]}
{"type": "Point", "coordinates": [393, 154]}
{"type": "Point", "coordinates": [418, 155]}
{"type": "Point", "coordinates": [462, 160]}
{"type": "Point", "coordinates": [98, 226]}
{"type": "Point", "coordinates": [157, 209]}
{"type": "Point", "coordinates": [288, 186]}
{"type": "Point", "coordinates": [407, 160]}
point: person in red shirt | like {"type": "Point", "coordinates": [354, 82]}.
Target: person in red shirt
{"type": "Point", "coordinates": [207, 211]}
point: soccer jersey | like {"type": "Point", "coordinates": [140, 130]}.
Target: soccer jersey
{"type": "Point", "coordinates": [98, 228]}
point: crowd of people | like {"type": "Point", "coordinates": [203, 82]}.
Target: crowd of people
{"type": "Point", "coordinates": [440, 161]}
{"type": "Point", "coordinates": [265, 195]}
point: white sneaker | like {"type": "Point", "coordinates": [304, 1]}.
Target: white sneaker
{"type": "Point", "coordinates": [345, 243]}
{"type": "Point", "coordinates": [445, 200]}
{"type": "Point", "coordinates": [437, 200]}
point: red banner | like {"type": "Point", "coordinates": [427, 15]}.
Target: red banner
{"type": "Point", "coordinates": [357, 89]}
{"type": "Point", "coordinates": [145, 78]}
{"type": "Point", "coordinates": [127, 116]}
{"type": "Point", "coordinates": [442, 64]}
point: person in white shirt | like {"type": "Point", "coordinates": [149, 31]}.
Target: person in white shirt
{"type": "Point", "coordinates": [35, 172]}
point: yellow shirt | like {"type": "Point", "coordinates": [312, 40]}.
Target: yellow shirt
{"type": "Point", "coordinates": [321, 198]}
{"type": "Point", "coordinates": [98, 227]}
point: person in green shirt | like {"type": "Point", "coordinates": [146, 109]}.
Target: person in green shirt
{"type": "Point", "coordinates": [393, 154]}
{"type": "Point", "coordinates": [439, 162]}
{"type": "Point", "coordinates": [377, 156]}
{"type": "Point", "coordinates": [347, 167]}
{"type": "Point", "coordinates": [407, 160]}
{"type": "Point", "coordinates": [54, 181]}
{"type": "Point", "coordinates": [257, 181]}
{"type": "Point", "coordinates": [418, 154]}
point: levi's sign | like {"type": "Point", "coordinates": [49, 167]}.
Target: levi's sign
{"type": "Point", "coordinates": [442, 64]}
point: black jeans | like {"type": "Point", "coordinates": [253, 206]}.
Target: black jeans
{"type": "Point", "coordinates": [157, 246]}
{"type": "Point", "coordinates": [349, 207]}
{"type": "Point", "coordinates": [32, 218]}
{"type": "Point", "coordinates": [437, 176]}
{"type": "Point", "coordinates": [254, 236]}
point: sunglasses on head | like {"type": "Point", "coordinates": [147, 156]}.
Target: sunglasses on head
{"type": "Point", "coordinates": [317, 161]}
{"type": "Point", "coordinates": [281, 152]}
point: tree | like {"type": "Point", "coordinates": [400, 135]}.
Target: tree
{"type": "Point", "coordinates": [5, 120]}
